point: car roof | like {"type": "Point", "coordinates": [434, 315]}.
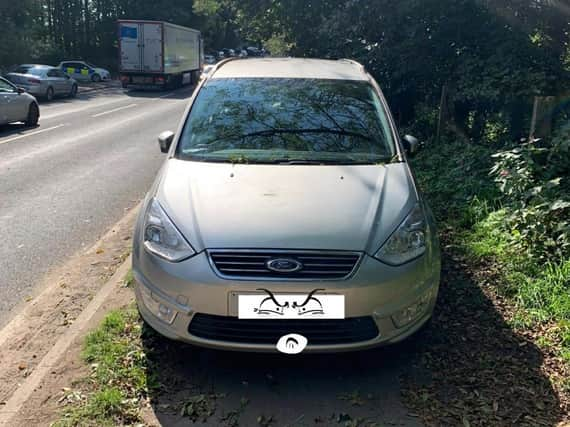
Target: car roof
{"type": "Point", "coordinates": [301, 68]}
{"type": "Point", "coordinates": [35, 66]}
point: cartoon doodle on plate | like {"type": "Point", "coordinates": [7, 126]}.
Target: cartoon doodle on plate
{"type": "Point", "coordinates": [292, 344]}
{"type": "Point", "coordinates": [311, 306]}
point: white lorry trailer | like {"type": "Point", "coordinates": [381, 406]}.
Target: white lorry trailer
{"type": "Point", "coordinates": [158, 54]}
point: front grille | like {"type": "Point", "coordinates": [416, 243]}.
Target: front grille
{"type": "Point", "coordinates": [268, 331]}
{"type": "Point", "coordinates": [315, 265]}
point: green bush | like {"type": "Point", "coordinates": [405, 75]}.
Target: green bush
{"type": "Point", "coordinates": [510, 208]}
{"type": "Point", "coordinates": [534, 178]}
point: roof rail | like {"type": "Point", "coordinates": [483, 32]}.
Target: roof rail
{"type": "Point", "coordinates": [222, 63]}
{"type": "Point", "coordinates": [353, 62]}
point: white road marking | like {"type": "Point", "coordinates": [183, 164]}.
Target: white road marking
{"type": "Point", "coordinates": [77, 110]}
{"type": "Point", "coordinates": [31, 134]}
{"type": "Point", "coordinates": [114, 110]}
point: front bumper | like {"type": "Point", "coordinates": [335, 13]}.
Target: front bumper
{"type": "Point", "coordinates": [375, 290]}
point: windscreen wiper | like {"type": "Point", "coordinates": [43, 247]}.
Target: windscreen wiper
{"type": "Point", "coordinates": [325, 162]}
{"type": "Point", "coordinates": [271, 132]}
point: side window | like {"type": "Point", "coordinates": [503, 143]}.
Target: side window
{"type": "Point", "coordinates": [68, 67]}
{"type": "Point", "coordinates": [6, 87]}
{"type": "Point", "coordinates": [60, 74]}
{"type": "Point", "coordinates": [52, 73]}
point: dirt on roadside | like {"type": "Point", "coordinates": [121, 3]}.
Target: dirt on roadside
{"type": "Point", "coordinates": [65, 293]}
{"type": "Point", "coordinates": [473, 368]}
{"type": "Point", "coordinates": [57, 389]}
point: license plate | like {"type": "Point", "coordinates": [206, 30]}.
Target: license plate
{"type": "Point", "coordinates": [142, 80]}
{"type": "Point", "coordinates": [291, 306]}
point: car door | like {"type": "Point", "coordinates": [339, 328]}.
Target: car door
{"type": "Point", "coordinates": [13, 106]}
{"type": "Point", "coordinates": [73, 69]}
{"type": "Point", "coordinates": [55, 81]}
{"type": "Point", "coordinates": [85, 71]}
{"type": "Point", "coordinates": [69, 68]}
{"type": "Point", "coordinates": [4, 103]}
{"type": "Point", "coordinates": [64, 82]}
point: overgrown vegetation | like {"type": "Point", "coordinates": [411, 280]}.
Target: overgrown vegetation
{"type": "Point", "coordinates": [492, 56]}
{"type": "Point", "coordinates": [519, 222]}
{"type": "Point", "coordinates": [119, 376]}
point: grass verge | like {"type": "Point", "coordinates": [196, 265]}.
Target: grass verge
{"type": "Point", "coordinates": [119, 377]}
{"type": "Point", "coordinates": [470, 210]}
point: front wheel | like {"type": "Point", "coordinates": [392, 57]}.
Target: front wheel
{"type": "Point", "coordinates": [73, 92]}
{"type": "Point", "coordinates": [33, 115]}
{"type": "Point", "coordinates": [96, 78]}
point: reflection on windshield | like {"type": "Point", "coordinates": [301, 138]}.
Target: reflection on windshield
{"type": "Point", "coordinates": [285, 120]}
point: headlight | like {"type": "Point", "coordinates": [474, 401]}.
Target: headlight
{"type": "Point", "coordinates": [408, 241]}
{"type": "Point", "coordinates": [161, 236]}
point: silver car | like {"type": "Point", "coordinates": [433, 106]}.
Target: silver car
{"type": "Point", "coordinates": [16, 105]}
{"type": "Point", "coordinates": [43, 81]}
{"type": "Point", "coordinates": [286, 211]}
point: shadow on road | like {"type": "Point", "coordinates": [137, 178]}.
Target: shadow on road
{"type": "Point", "coordinates": [86, 93]}
{"type": "Point", "coordinates": [181, 93]}
{"type": "Point", "coordinates": [467, 368]}
{"type": "Point", "coordinates": [226, 388]}
{"type": "Point", "coordinates": [16, 129]}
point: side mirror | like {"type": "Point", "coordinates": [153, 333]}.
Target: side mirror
{"type": "Point", "coordinates": [165, 140]}
{"type": "Point", "coordinates": [21, 90]}
{"type": "Point", "coordinates": [411, 144]}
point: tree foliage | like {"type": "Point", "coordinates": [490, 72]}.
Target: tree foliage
{"type": "Point", "coordinates": [493, 56]}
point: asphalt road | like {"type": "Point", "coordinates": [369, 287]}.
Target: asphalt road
{"type": "Point", "coordinates": [64, 183]}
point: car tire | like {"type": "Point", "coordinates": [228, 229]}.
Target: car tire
{"type": "Point", "coordinates": [96, 78]}
{"type": "Point", "coordinates": [33, 115]}
{"type": "Point", "coordinates": [73, 92]}
{"type": "Point", "coordinates": [49, 94]}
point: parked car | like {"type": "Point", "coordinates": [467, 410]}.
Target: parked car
{"type": "Point", "coordinates": [254, 51]}
{"type": "Point", "coordinates": [286, 204]}
{"type": "Point", "coordinates": [43, 81]}
{"type": "Point", "coordinates": [16, 105]}
{"type": "Point", "coordinates": [210, 59]}
{"type": "Point", "coordinates": [84, 71]}
{"type": "Point", "coordinates": [228, 53]}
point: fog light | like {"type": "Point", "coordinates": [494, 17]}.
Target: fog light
{"type": "Point", "coordinates": [413, 312]}
{"type": "Point", "coordinates": [160, 310]}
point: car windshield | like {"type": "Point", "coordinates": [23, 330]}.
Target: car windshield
{"type": "Point", "coordinates": [36, 71]}
{"type": "Point", "coordinates": [90, 65]}
{"type": "Point", "coordinates": [277, 120]}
